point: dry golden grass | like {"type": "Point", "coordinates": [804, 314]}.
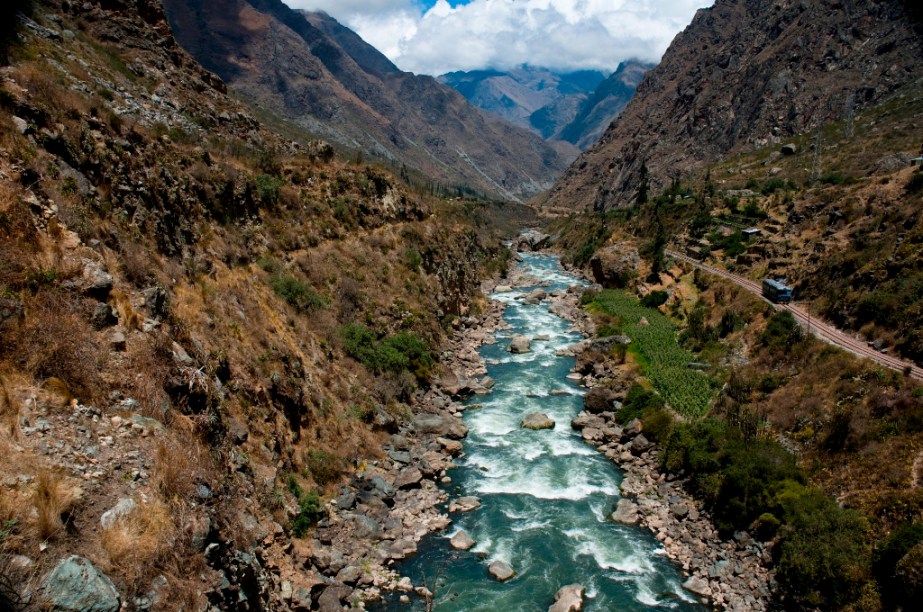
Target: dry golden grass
{"type": "Point", "coordinates": [150, 356]}
{"type": "Point", "coordinates": [179, 465]}
{"type": "Point", "coordinates": [9, 408]}
{"type": "Point", "coordinates": [57, 391]}
{"type": "Point", "coordinates": [140, 538]}
{"type": "Point", "coordinates": [52, 500]}
{"type": "Point", "coordinates": [56, 341]}
{"type": "Point", "coordinates": [128, 316]}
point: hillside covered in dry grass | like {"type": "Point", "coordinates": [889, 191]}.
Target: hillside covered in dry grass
{"type": "Point", "coordinates": [204, 325]}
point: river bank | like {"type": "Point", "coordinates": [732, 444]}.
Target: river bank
{"type": "Point", "coordinates": [731, 574]}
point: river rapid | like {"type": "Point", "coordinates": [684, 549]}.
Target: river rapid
{"type": "Point", "coordinates": [546, 495]}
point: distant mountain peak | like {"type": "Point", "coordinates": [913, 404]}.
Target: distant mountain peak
{"type": "Point", "coordinates": [575, 107]}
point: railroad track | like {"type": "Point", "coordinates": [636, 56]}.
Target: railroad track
{"type": "Point", "coordinates": [815, 326]}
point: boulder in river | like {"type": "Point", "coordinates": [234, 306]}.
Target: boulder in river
{"type": "Point", "coordinates": [462, 541]}
{"type": "Point", "coordinates": [698, 586]}
{"type": "Point", "coordinates": [520, 344]}
{"type": "Point", "coordinates": [626, 512]}
{"type": "Point", "coordinates": [444, 426]}
{"type": "Point", "coordinates": [465, 504]}
{"type": "Point", "coordinates": [568, 599]}
{"type": "Point", "coordinates": [537, 420]}
{"type": "Point", "coordinates": [501, 570]}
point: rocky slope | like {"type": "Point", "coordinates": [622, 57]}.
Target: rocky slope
{"type": "Point", "coordinates": [325, 79]}
{"type": "Point", "coordinates": [206, 330]}
{"type": "Point", "coordinates": [745, 74]}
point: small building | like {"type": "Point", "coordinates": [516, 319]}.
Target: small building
{"type": "Point", "coordinates": [916, 161]}
{"type": "Point", "coordinates": [752, 232]}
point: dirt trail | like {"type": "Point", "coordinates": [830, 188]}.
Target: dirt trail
{"type": "Point", "coordinates": [819, 328]}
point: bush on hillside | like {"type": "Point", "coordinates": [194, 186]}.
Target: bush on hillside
{"type": "Point", "coordinates": [9, 24]}
{"type": "Point", "coordinates": [823, 555]}
{"type": "Point", "coordinates": [401, 352]}
{"type": "Point", "coordinates": [655, 299]}
{"type": "Point", "coordinates": [295, 292]}
{"type": "Point", "coordinates": [782, 331]}
{"type": "Point", "coordinates": [894, 592]}
{"type": "Point", "coordinates": [915, 184]}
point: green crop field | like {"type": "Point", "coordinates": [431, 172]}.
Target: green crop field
{"type": "Point", "coordinates": [667, 363]}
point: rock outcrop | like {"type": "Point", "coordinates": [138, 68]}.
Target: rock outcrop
{"type": "Point", "coordinates": [568, 599]}
{"type": "Point", "coordinates": [520, 344]}
{"type": "Point", "coordinates": [76, 585]}
{"type": "Point", "coordinates": [501, 570]}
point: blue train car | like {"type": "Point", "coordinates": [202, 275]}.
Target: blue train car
{"type": "Point", "coordinates": [777, 291]}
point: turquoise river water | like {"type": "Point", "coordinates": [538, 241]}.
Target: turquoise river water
{"type": "Point", "coordinates": [545, 495]}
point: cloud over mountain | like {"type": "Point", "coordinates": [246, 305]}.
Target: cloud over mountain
{"type": "Point", "coordinates": [436, 37]}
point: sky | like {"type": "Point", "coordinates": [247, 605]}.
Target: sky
{"type": "Point", "coordinates": [439, 36]}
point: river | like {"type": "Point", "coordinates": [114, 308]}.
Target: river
{"type": "Point", "coordinates": [545, 495]}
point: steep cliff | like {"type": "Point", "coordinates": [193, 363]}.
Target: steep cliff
{"type": "Point", "coordinates": [745, 74]}
{"type": "Point", "coordinates": [606, 103]}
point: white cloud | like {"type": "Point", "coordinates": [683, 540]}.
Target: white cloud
{"type": "Point", "coordinates": [557, 34]}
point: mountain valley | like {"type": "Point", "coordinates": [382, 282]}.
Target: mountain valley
{"type": "Point", "coordinates": [283, 327]}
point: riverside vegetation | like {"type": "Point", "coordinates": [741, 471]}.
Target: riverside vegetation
{"type": "Point", "coordinates": [801, 444]}
{"type": "Point", "coordinates": [765, 437]}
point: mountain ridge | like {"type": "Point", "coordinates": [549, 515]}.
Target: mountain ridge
{"type": "Point", "coordinates": [740, 75]}
{"type": "Point", "coordinates": [573, 107]}
{"type": "Point", "coordinates": [319, 75]}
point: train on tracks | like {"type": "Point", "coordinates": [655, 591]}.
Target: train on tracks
{"type": "Point", "coordinates": [775, 290]}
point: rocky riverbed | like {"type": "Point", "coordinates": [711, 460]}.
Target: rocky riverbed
{"type": "Point", "coordinates": [382, 514]}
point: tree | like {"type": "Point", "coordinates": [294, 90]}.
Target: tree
{"type": "Point", "coordinates": [643, 187]}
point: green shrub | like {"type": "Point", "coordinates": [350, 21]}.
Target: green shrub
{"type": "Point", "coordinates": [404, 351]}
{"type": "Point", "coordinates": [311, 512]}
{"type": "Point", "coordinates": [837, 178]}
{"type": "Point", "coordinates": [782, 331]}
{"type": "Point", "coordinates": [658, 424]}
{"type": "Point", "coordinates": [414, 259]}
{"type": "Point", "coordinates": [737, 478]}
{"type": "Point", "coordinates": [310, 508]}
{"type": "Point", "coordinates": [637, 402]}
{"type": "Point", "coordinates": [823, 554]}
{"type": "Point", "coordinates": [776, 184]}
{"type": "Point", "coordinates": [268, 188]}
{"type": "Point", "coordinates": [655, 299]}
{"type": "Point", "coordinates": [323, 466]}
{"type": "Point", "coordinates": [915, 184]}
{"type": "Point", "coordinates": [295, 292]}
{"type": "Point", "coordinates": [890, 552]}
